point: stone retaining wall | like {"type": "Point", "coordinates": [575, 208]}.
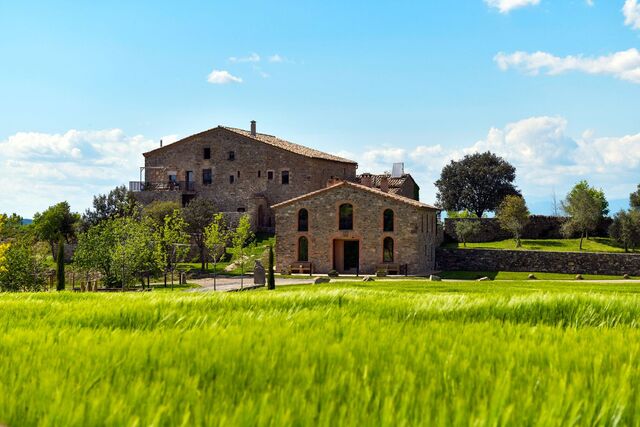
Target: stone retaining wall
{"type": "Point", "coordinates": [537, 261]}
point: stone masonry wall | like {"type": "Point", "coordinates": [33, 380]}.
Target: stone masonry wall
{"type": "Point", "coordinates": [537, 261]}
{"type": "Point", "coordinates": [414, 230]}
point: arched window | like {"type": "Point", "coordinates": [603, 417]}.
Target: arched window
{"type": "Point", "coordinates": [387, 220]}
{"type": "Point", "coordinates": [346, 217]}
{"type": "Point", "coordinates": [303, 220]}
{"type": "Point", "coordinates": [303, 249]}
{"type": "Point", "coordinates": [387, 250]}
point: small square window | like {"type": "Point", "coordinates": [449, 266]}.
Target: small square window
{"type": "Point", "coordinates": [270, 175]}
{"type": "Point", "coordinates": [207, 153]}
{"type": "Point", "coordinates": [285, 177]}
{"type": "Point", "coordinates": [232, 155]}
{"type": "Point", "coordinates": [232, 179]}
{"type": "Point", "coordinates": [207, 177]}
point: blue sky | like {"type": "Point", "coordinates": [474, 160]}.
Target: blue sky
{"type": "Point", "coordinates": [552, 85]}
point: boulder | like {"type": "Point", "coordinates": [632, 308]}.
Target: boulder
{"type": "Point", "coordinates": [368, 279]}
{"type": "Point", "coordinates": [435, 278]}
{"type": "Point", "coordinates": [626, 277]}
{"type": "Point", "coordinates": [484, 279]}
{"type": "Point", "coordinates": [579, 277]}
{"type": "Point", "coordinates": [259, 276]}
{"type": "Point", "coordinates": [319, 280]}
{"type": "Point", "coordinates": [532, 277]}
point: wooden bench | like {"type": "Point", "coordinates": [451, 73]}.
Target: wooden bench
{"type": "Point", "coordinates": [390, 268]}
{"type": "Point", "coordinates": [301, 267]}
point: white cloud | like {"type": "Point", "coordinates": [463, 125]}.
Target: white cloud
{"type": "Point", "coordinates": [74, 166]}
{"type": "Point", "coordinates": [221, 77]}
{"type": "Point", "coordinates": [624, 65]}
{"type": "Point", "coordinates": [631, 11]}
{"type": "Point", "coordinates": [254, 57]}
{"type": "Point", "coordinates": [276, 58]}
{"type": "Point", "coordinates": [506, 6]}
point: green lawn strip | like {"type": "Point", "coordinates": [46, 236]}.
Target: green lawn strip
{"type": "Point", "coordinates": [594, 244]}
{"type": "Point", "coordinates": [513, 275]}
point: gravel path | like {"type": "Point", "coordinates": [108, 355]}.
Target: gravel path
{"type": "Point", "coordinates": [230, 284]}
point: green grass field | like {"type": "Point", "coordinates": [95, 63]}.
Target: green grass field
{"type": "Point", "coordinates": [594, 244]}
{"type": "Point", "coordinates": [380, 353]}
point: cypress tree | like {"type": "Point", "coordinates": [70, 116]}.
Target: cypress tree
{"type": "Point", "coordinates": [271, 281]}
{"type": "Point", "coordinates": [60, 265]}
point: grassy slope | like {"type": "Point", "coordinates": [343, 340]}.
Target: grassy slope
{"type": "Point", "coordinates": [596, 244]}
{"type": "Point", "coordinates": [381, 353]}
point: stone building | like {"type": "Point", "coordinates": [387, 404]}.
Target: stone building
{"type": "Point", "coordinates": [355, 228]}
{"type": "Point", "coordinates": [239, 170]}
{"type": "Point", "coordinates": [403, 184]}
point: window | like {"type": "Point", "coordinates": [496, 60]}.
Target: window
{"type": "Point", "coordinates": [232, 155]}
{"type": "Point", "coordinates": [206, 177]}
{"type": "Point", "coordinates": [387, 250]}
{"type": "Point", "coordinates": [303, 249]}
{"type": "Point", "coordinates": [258, 174]}
{"type": "Point", "coordinates": [238, 174]}
{"type": "Point", "coordinates": [242, 210]}
{"type": "Point", "coordinates": [207, 153]}
{"type": "Point", "coordinates": [303, 220]}
{"type": "Point", "coordinates": [270, 175]}
{"type": "Point", "coordinates": [387, 220]}
{"type": "Point", "coordinates": [285, 177]}
{"type": "Point", "coordinates": [346, 217]}
{"type": "Point", "coordinates": [232, 179]}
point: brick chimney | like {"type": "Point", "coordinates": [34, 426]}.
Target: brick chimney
{"type": "Point", "coordinates": [384, 183]}
{"type": "Point", "coordinates": [253, 128]}
{"type": "Point", "coordinates": [366, 179]}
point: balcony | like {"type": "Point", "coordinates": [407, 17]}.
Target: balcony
{"type": "Point", "coordinates": [182, 186]}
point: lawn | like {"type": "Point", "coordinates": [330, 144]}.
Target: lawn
{"type": "Point", "coordinates": [594, 244]}
{"type": "Point", "coordinates": [376, 353]}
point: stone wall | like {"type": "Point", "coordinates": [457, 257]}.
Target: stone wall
{"type": "Point", "coordinates": [539, 227]}
{"type": "Point", "coordinates": [537, 261]}
{"type": "Point", "coordinates": [414, 231]}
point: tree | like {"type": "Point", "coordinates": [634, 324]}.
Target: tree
{"type": "Point", "coordinates": [216, 239]}
{"type": "Point", "coordinates": [634, 199]}
{"type": "Point", "coordinates": [271, 280]}
{"type": "Point", "coordinates": [118, 203]}
{"type": "Point", "coordinates": [4, 246]}
{"type": "Point", "coordinates": [584, 208]}
{"type": "Point", "coordinates": [239, 239]}
{"type": "Point", "coordinates": [466, 228]}
{"type": "Point", "coordinates": [60, 266]}
{"type": "Point", "coordinates": [55, 223]}
{"type": "Point", "coordinates": [157, 211]}
{"type": "Point", "coordinates": [24, 266]}
{"type": "Point", "coordinates": [198, 214]}
{"type": "Point", "coordinates": [93, 252]}
{"type": "Point", "coordinates": [478, 183]}
{"type": "Point", "coordinates": [172, 240]}
{"type": "Point", "coordinates": [513, 216]}
{"type": "Point", "coordinates": [594, 193]}
{"type": "Point", "coordinates": [625, 229]}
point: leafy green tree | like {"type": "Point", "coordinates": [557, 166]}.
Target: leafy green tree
{"type": "Point", "coordinates": [55, 223]}
{"type": "Point", "coordinates": [93, 252]}
{"type": "Point", "coordinates": [634, 199]}
{"type": "Point", "coordinates": [466, 229]}
{"type": "Point", "coordinates": [157, 211]}
{"type": "Point", "coordinates": [594, 193]}
{"type": "Point", "coordinates": [513, 216]}
{"type": "Point", "coordinates": [625, 229]}
{"type": "Point", "coordinates": [239, 239]}
{"type": "Point", "coordinates": [198, 214]}
{"type": "Point", "coordinates": [477, 183]}
{"type": "Point", "coordinates": [216, 239]}
{"type": "Point", "coordinates": [60, 266]}
{"type": "Point", "coordinates": [24, 266]}
{"type": "Point", "coordinates": [12, 226]}
{"type": "Point", "coordinates": [4, 246]}
{"type": "Point", "coordinates": [585, 209]}
{"type": "Point", "coordinates": [118, 203]}
{"type": "Point", "coordinates": [271, 280]}
{"type": "Point", "coordinates": [172, 240]}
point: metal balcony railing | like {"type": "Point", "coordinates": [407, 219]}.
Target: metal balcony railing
{"type": "Point", "coordinates": [185, 186]}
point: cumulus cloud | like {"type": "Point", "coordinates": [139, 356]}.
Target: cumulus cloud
{"type": "Point", "coordinates": [506, 6]}
{"type": "Point", "coordinates": [631, 11]}
{"type": "Point", "coordinates": [624, 65]}
{"type": "Point", "coordinates": [221, 77]}
{"type": "Point", "coordinates": [47, 168]}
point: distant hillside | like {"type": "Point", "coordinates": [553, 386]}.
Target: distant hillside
{"type": "Point", "coordinates": [26, 221]}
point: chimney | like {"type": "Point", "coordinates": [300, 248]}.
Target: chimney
{"type": "Point", "coordinates": [253, 128]}
{"type": "Point", "coordinates": [384, 183]}
{"type": "Point", "coordinates": [366, 179]}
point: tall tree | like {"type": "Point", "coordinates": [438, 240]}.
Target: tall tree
{"type": "Point", "coordinates": [157, 211]}
{"type": "Point", "coordinates": [239, 239]}
{"type": "Point", "coordinates": [198, 214]}
{"type": "Point", "coordinates": [271, 280]}
{"type": "Point", "coordinates": [584, 208]}
{"type": "Point", "coordinates": [477, 183]}
{"type": "Point", "coordinates": [118, 203]}
{"type": "Point", "coordinates": [634, 199]}
{"type": "Point", "coordinates": [60, 266]}
{"type": "Point", "coordinates": [172, 240]}
{"type": "Point", "coordinates": [216, 239]}
{"type": "Point", "coordinates": [625, 229]}
{"type": "Point", "coordinates": [513, 216]}
{"type": "Point", "coordinates": [595, 193]}
{"type": "Point", "coordinates": [55, 223]}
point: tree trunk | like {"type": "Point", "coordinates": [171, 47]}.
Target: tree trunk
{"type": "Point", "coordinates": [202, 267]}
{"type": "Point", "coordinates": [581, 237]}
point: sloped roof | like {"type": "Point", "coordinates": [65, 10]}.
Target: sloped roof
{"type": "Point", "coordinates": [375, 191]}
{"type": "Point", "coordinates": [267, 139]}
{"type": "Point", "coordinates": [394, 183]}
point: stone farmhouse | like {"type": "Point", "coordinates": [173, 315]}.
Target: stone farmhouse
{"type": "Point", "coordinates": [324, 215]}
{"type": "Point", "coordinates": [355, 228]}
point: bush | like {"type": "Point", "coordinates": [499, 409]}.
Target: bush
{"type": "Point", "coordinates": [24, 267]}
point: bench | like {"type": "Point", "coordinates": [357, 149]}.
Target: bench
{"type": "Point", "coordinates": [301, 267]}
{"type": "Point", "coordinates": [390, 268]}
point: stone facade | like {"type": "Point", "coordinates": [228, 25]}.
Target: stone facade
{"type": "Point", "coordinates": [249, 172]}
{"type": "Point", "coordinates": [414, 230]}
{"type": "Point", "coordinates": [537, 261]}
